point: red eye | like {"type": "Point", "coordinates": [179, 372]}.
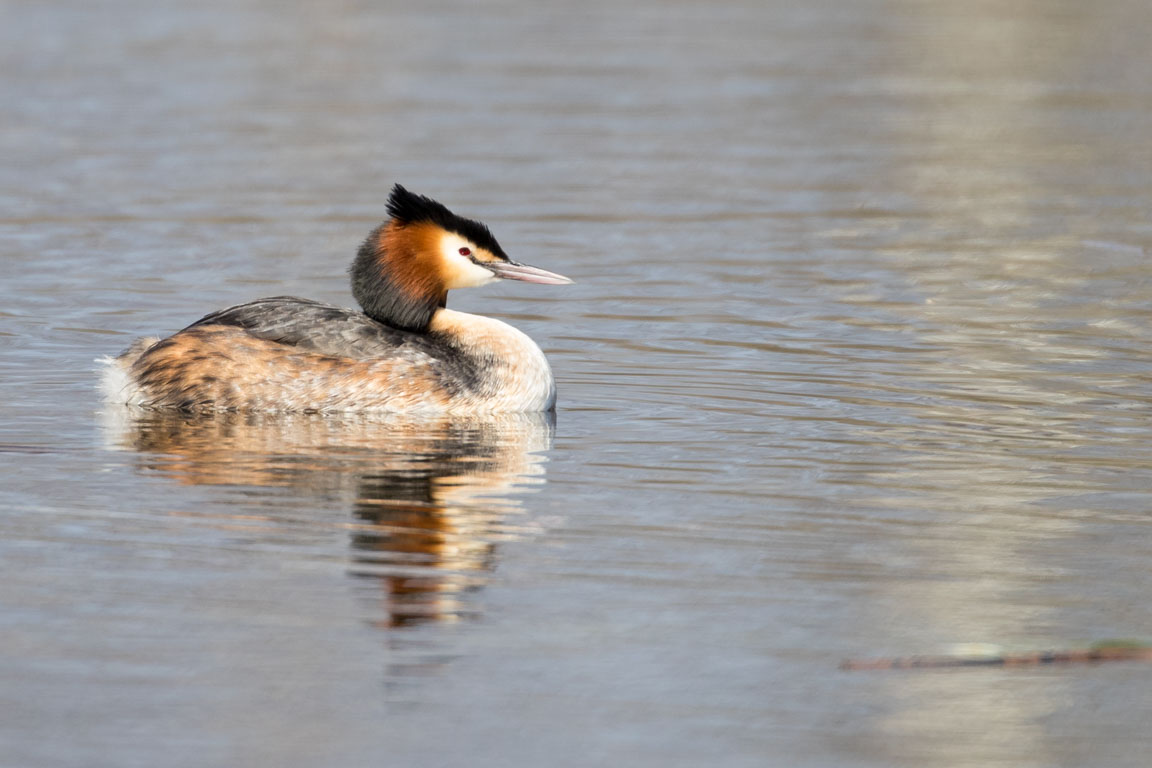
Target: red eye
{"type": "Point", "coordinates": [465, 251]}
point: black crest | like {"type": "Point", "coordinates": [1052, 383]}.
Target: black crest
{"type": "Point", "coordinates": [409, 208]}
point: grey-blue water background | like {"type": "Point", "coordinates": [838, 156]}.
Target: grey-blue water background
{"type": "Point", "coordinates": [857, 364]}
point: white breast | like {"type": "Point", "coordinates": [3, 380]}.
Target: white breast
{"type": "Point", "coordinates": [515, 371]}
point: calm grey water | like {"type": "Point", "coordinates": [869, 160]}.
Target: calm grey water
{"type": "Point", "coordinates": [857, 364]}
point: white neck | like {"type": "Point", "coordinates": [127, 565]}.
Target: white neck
{"type": "Point", "coordinates": [514, 372]}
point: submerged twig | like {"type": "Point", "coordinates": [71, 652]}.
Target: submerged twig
{"type": "Point", "coordinates": [1112, 650]}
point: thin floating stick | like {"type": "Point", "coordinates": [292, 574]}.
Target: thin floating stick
{"type": "Point", "coordinates": [1109, 650]}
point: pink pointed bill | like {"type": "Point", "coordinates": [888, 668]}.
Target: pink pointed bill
{"type": "Point", "coordinates": [510, 270]}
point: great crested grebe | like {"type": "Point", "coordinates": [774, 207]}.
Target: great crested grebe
{"type": "Point", "coordinates": [404, 353]}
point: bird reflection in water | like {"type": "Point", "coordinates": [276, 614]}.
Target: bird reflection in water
{"type": "Point", "coordinates": [430, 499]}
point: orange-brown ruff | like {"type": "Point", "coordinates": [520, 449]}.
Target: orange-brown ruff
{"type": "Point", "coordinates": [404, 353]}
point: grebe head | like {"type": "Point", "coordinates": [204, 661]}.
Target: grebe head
{"type": "Point", "coordinates": [406, 267]}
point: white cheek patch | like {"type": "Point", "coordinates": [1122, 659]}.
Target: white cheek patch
{"type": "Point", "coordinates": [460, 271]}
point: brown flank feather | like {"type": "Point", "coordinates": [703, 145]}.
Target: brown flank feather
{"type": "Point", "coordinates": [217, 367]}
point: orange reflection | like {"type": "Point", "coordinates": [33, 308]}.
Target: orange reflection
{"type": "Point", "coordinates": [430, 498]}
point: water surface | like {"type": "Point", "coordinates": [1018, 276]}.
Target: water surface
{"type": "Point", "coordinates": [856, 364]}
